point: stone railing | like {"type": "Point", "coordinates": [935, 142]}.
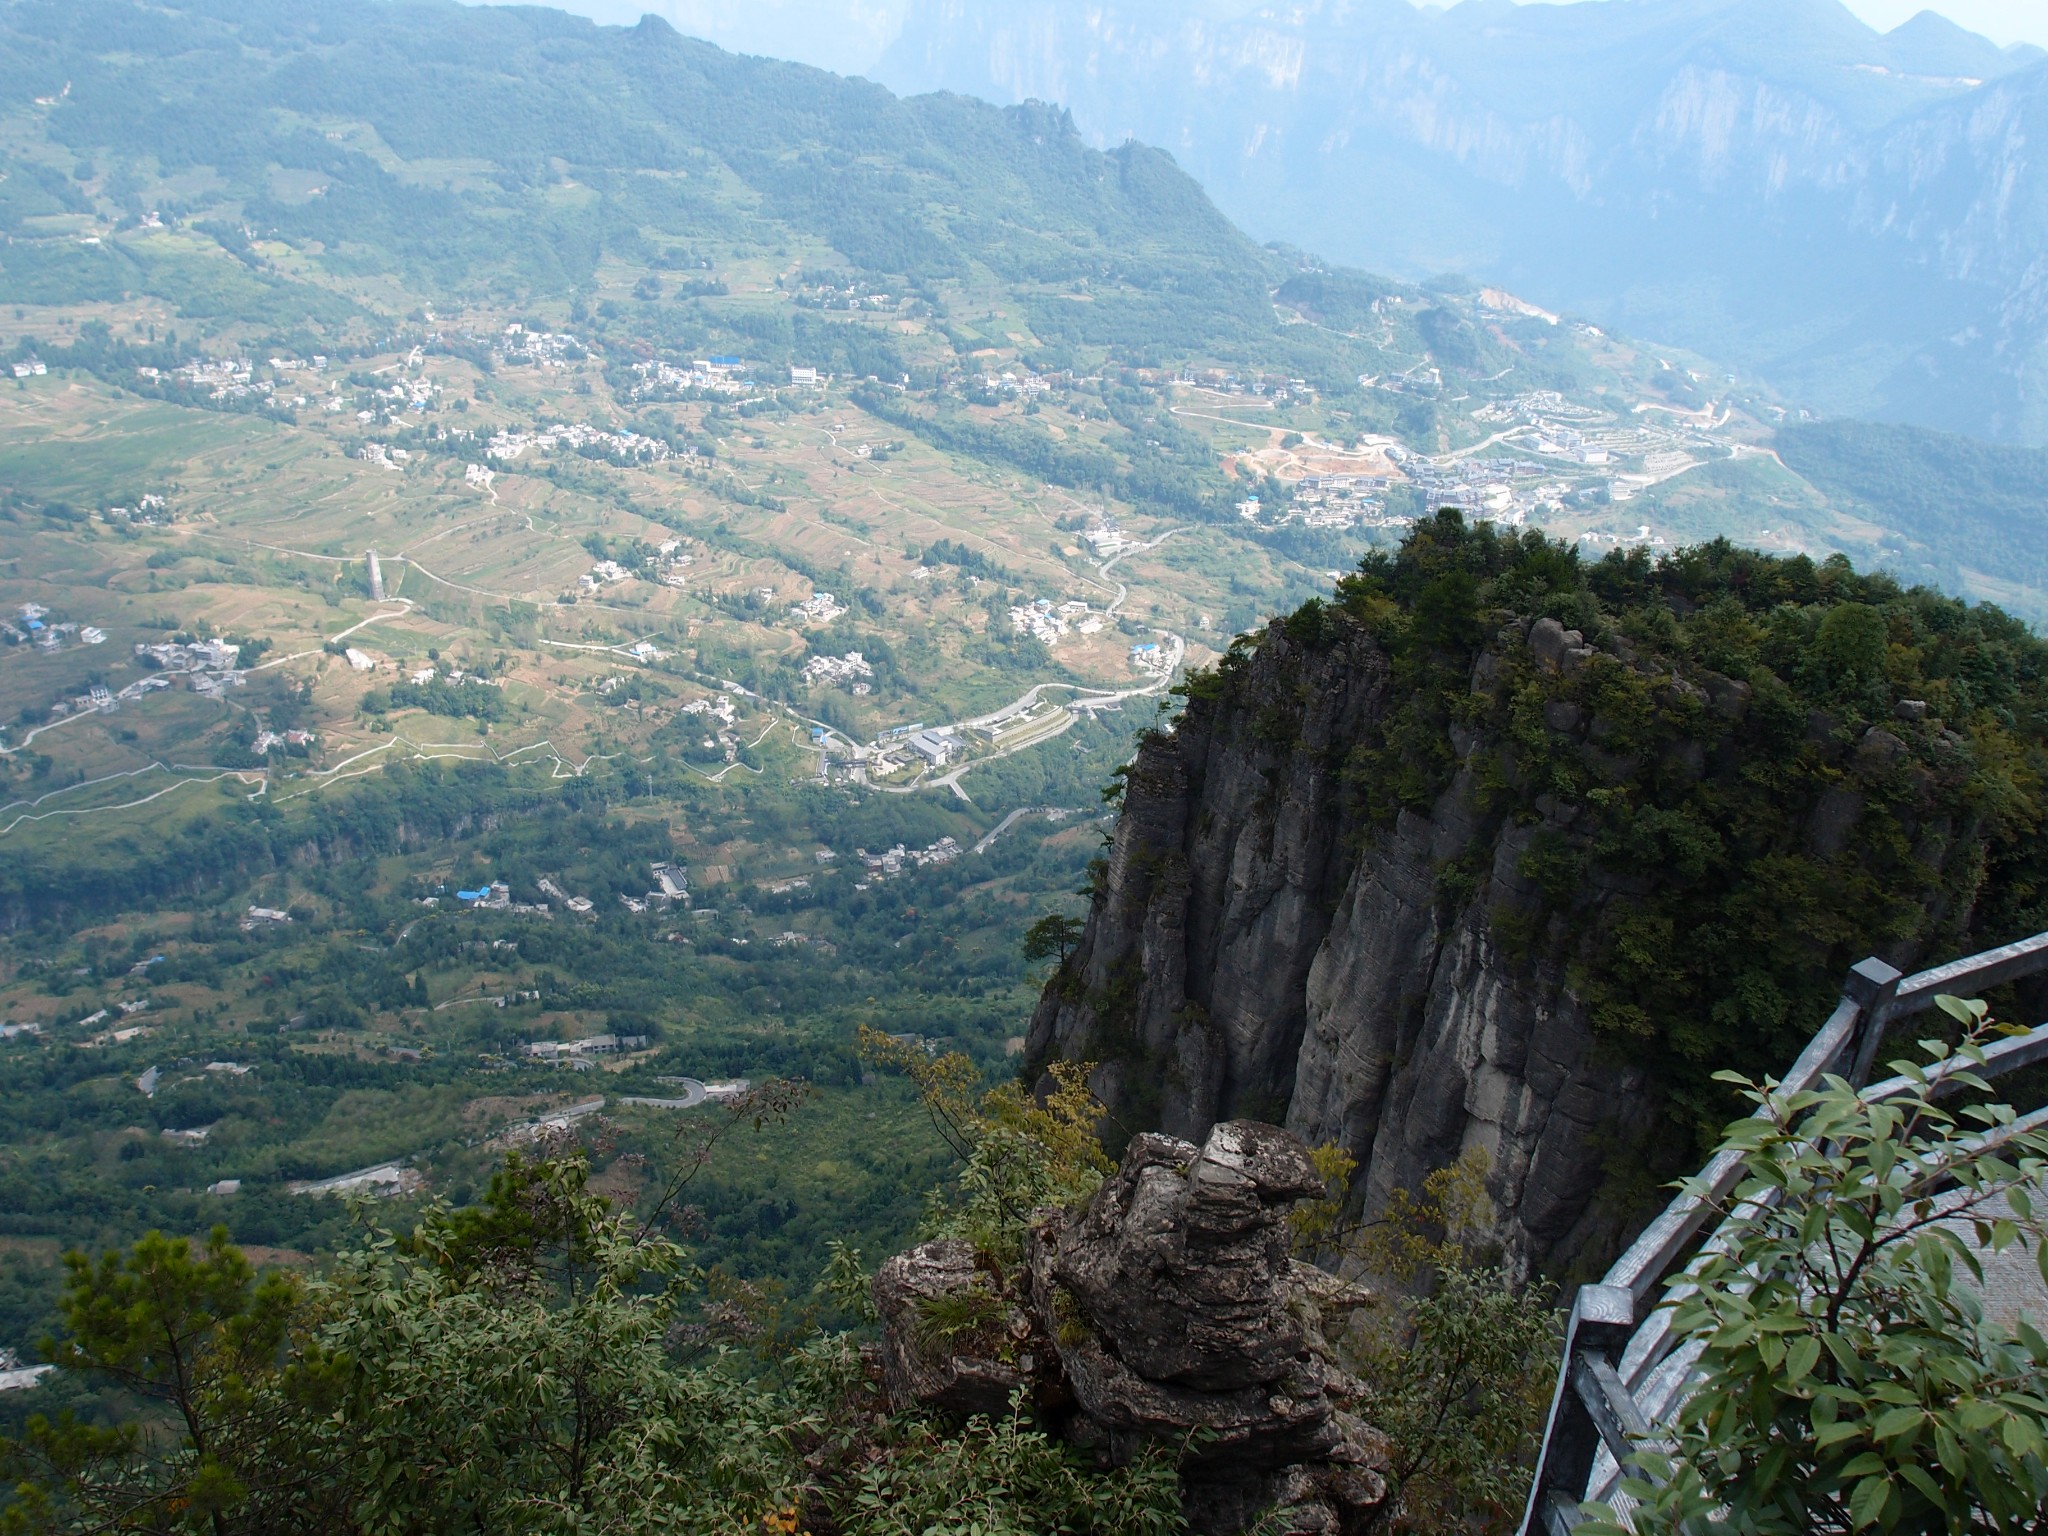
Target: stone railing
{"type": "Point", "coordinates": [1623, 1373]}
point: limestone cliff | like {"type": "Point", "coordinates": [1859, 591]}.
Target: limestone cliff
{"type": "Point", "coordinates": [1497, 918]}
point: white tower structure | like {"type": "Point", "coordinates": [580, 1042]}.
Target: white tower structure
{"type": "Point", "coordinates": [376, 578]}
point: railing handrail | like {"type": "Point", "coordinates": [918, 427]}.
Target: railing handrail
{"type": "Point", "coordinates": [1618, 1322]}
{"type": "Point", "coordinates": [1992, 968]}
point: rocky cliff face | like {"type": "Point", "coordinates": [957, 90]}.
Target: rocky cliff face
{"type": "Point", "coordinates": [1267, 941]}
{"type": "Point", "coordinates": [1256, 950]}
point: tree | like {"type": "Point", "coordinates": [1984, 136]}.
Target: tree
{"type": "Point", "coordinates": [1052, 937]}
{"type": "Point", "coordinates": [1852, 645]}
{"type": "Point", "coordinates": [509, 1367]}
{"type": "Point", "coordinates": [1017, 1154]}
{"type": "Point", "coordinates": [1455, 1355]}
{"type": "Point", "coordinates": [507, 1371]}
{"type": "Point", "coordinates": [193, 1329]}
{"type": "Point", "coordinates": [1848, 1377]}
{"type": "Point", "coordinates": [1007, 1477]}
{"type": "Point", "coordinates": [1461, 1401]}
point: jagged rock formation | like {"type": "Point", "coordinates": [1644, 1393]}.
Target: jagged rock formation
{"type": "Point", "coordinates": [1168, 1306]}
{"type": "Point", "coordinates": [1270, 938]}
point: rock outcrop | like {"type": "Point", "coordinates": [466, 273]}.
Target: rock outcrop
{"type": "Point", "coordinates": [1267, 942]}
{"type": "Point", "coordinates": [968, 1370]}
{"type": "Point", "coordinates": [1167, 1311]}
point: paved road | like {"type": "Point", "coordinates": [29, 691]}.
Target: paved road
{"type": "Point", "coordinates": [693, 1095]}
{"type": "Point", "coordinates": [394, 1176]}
{"type": "Point", "coordinates": [559, 1119]}
{"type": "Point", "coordinates": [1058, 812]}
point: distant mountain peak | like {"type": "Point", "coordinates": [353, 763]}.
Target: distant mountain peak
{"type": "Point", "coordinates": [1931, 44]}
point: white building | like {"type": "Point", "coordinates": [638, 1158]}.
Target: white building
{"type": "Point", "coordinates": [818, 608]}
{"type": "Point", "coordinates": [851, 668]}
{"type": "Point", "coordinates": [936, 747]}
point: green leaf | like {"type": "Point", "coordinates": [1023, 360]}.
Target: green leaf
{"type": "Point", "coordinates": [1950, 1452]}
{"type": "Point", "coordinates": [1800, 1359]}
{"type": "Point", "coordinates": [1843, 1350]}
{"type": "Point", "coordinates": [1866, 1504]}
{"type": "Point", "coordinates": [1835, 1433]}
{"type": "Point", "coordinates": [1966, 1012]}
{"type": "Point", "coordinates": [1929, 1488]}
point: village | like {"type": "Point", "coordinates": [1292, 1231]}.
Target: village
{"type": "Point", "coordinates": [36, 630]}
{"type": "Point", "coordinates": [1544, 456]}
{"type": "Point", "coordinates": [1049, 623]}
{"type": "Point", "coordinates": [1535, 457]}
{"type": "Point", "coordinates": [620, 447]}
{"type": "Point", "coordinates": [671, 888]}
{"type": "Point", "coordinates": [717, 377]}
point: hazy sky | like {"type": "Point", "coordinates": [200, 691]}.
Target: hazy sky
{"type": "Point", "coordinates": [861, 29]}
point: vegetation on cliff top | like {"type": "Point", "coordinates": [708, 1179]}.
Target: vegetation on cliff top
{"type": "Point", "coordinates": [1779, 765]}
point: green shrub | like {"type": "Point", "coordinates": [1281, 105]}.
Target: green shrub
{"type": "Point", "coordinates": [1849, 1378]}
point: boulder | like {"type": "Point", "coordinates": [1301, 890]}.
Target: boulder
{"type": "Point", "coordinates": [1175, 1309]}
{"type": "Point", "coordinates": [1181, 1258]}
{"type": "Point", "coordinates": [1730, 695]}
{"type": "Point", "coordinates": [1549, 640]}
{"type": "Point", "coordinates": [962, 1374]}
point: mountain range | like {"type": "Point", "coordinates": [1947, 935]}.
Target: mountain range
{"type": "Point", "coordinates": [1860, 218]}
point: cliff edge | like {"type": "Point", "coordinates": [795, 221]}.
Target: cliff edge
{"type": "Point", "coordinates": [1504, 849]}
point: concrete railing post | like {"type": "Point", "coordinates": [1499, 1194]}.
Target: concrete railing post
{"type": "Point", "coordinates": [1602, 1318]}
{"type": "Point", "coordinates": [1872, 985]}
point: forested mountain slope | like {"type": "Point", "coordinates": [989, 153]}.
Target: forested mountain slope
{"type": "Point", "coordinates": [461, 151]}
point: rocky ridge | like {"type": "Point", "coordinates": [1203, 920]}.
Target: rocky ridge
{"type": "Point", "coordinates": [1719, 144]}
